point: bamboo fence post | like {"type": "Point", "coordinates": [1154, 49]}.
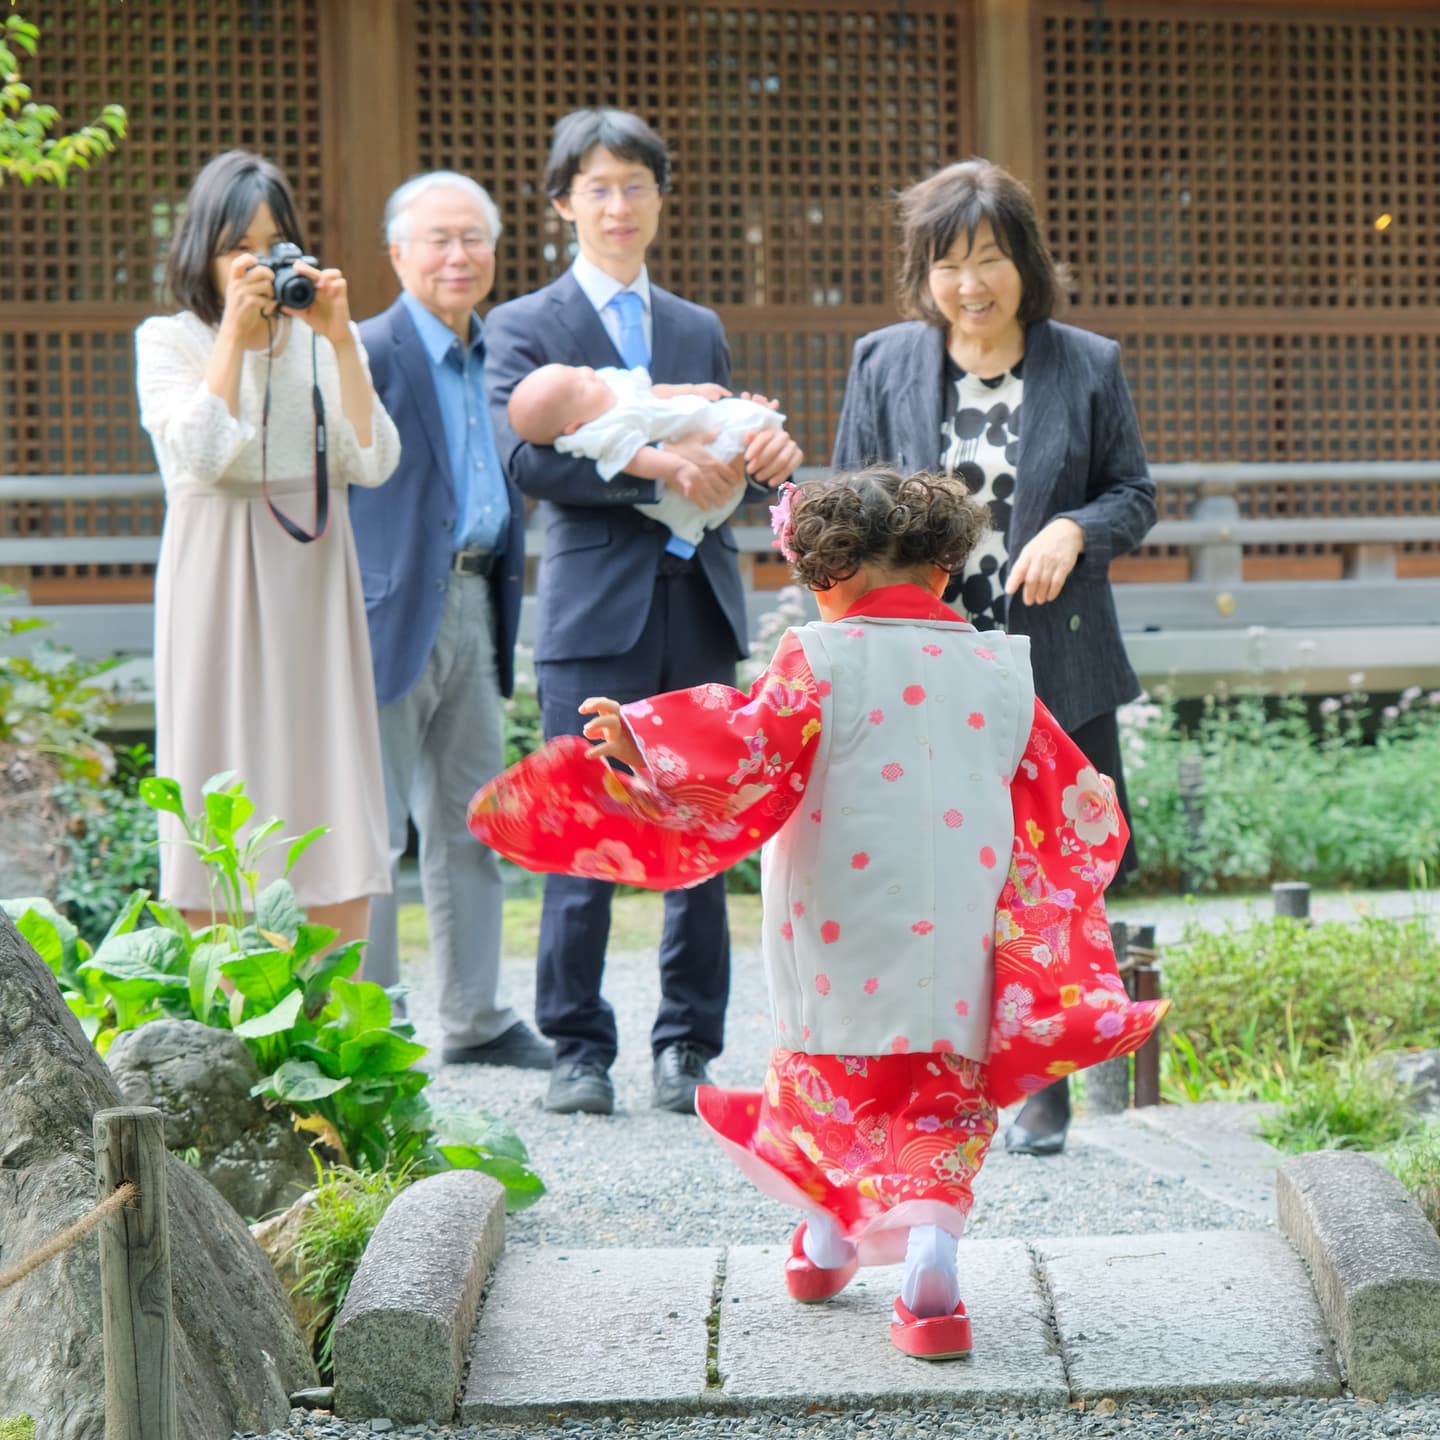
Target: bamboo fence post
{"type": "Point", "coordinates": [135, 1277]}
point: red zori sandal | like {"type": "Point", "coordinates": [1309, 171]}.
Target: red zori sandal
{"type": "Point", "coordinates": [941, 1337]}
{"type": "Point", "coordinates": [806, 1281]}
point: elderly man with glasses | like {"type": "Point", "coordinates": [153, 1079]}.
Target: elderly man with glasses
{"type": "Point", "coordinates": [442, 562]}
{"type": "Point", "coordinates": [625, 608]}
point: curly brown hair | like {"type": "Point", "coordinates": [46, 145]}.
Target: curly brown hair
{"type": "Point", "coordinates": [878, 517]}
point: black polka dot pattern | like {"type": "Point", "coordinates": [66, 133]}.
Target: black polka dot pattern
{"type": "Point", "coordinates": [980, 444]}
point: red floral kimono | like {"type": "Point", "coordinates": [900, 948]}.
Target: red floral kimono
{"type": "Point", "coordinates": [879, 1142]}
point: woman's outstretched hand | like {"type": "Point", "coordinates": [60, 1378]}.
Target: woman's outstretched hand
{"type": "Point", "coordinates": [615, 742]}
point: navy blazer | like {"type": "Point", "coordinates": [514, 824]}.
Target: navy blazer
{"type": "Point", "coordinates": [405, 528]}
{"type": "Point", "coordinates": [597, 569]}
{"type": "Point", "coordinates": [1081, 457]}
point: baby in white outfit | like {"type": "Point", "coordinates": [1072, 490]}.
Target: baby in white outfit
{"type": "Point", "coordinates": [615, 417]}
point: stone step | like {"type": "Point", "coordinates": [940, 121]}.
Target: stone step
{"type": "Point", "coordinates": [1203, 1313]}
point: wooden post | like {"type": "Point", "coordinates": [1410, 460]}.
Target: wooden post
{"type": "Point", "coordinates": [135, 1277]}
{"type": "Point", "coordinates": [1146, 986]}
{"type": "Point", "coordinates": [1008, 98]}
{"type": "Point", "coordinates": [1107, 1085]}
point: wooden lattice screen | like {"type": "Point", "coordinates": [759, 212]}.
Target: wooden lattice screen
{"type": "Point", "coordinates": [1252, 203]}
{"type": "Point", "coordinates": [791, 125]}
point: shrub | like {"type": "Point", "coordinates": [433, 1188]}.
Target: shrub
{"type": "Point", "coordinates": [326, 1045]}
{"type": "Point", "coordinates": [1416, 1164]}
{"type": "Point", "coordinates": [1245, 990]}
{"type": "Point", "coordinates": [1337, 797]}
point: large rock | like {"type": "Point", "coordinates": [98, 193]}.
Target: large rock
{"type": "Point", "coordinates": [238, 1350]}
{"type": "Point", "coordinates": [199, 1079]}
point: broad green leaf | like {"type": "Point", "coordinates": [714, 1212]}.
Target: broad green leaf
{"type": "Point", "coordinates": [313, 939]}
{"type": "Point", "coordinates": [205, 962]}
{"type": "Point", "coordinates": [226, 810]}
{"type": "Point", "coordinates": [272, 1022]}
{"type": "Point", "coordinates": [127, 919]}
{"type": "Point", "coordinates": [68, 935]}
{"type": "Point", "coordinates": [168, 915]}
{"type": "Point", "coordinates": [297, 1082]}
{"type": "Point", "coordinates": [44, 938]}
{"type": "Point", "coordinates": [163, 794]}
{"type": "Point", "coordinates": [311, 1048]}
{"type": "Point", "coordinates": [489, 1132]}
{"type": "Point", "coordinates": [261, 975]}
{"type": "Point", "coordinates": [363, 1006]}
{"type": "Point", "coordinates": [90, 1015]}
{"type": "Point", "coordinates": [378, 1052]}
{"type": "Point", "coordinates": [220, 781]}
{"type": "Point", "coordinates": [523, 1187]}
{"type": "Point", "coordinates": [300, 846]}
{"type": "Point", "coordinates": [277, 909]}
{"type": "Point", "coordinates": [153, 954]}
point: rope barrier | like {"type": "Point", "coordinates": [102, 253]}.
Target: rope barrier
{"type": "Point", "coordinates": [70, 1236]}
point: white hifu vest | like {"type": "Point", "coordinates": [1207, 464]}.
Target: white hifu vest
{"type": "Point", "coordinates": [880, 890]}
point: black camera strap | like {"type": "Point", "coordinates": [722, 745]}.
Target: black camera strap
{"type": "Point", "coordinates": [322, 478]}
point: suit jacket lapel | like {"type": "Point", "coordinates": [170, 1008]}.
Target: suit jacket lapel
{"type": "Point", "coordinates": [575, 312]}
{"type": "Point", "coordinates": [413, 361]}
{"type": "Point", "coordinates": [918, 438]}
{"type": "Point", "coordinates": [663, 336]}
{"type": "Point", "coordinates": [1043, 431]}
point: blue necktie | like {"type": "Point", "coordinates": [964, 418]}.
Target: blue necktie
{"type": "Point", "coordinates": [634, 351]}
{"type": "Point", "coordinates": [631, 310]}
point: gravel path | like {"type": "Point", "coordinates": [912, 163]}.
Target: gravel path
{"type": "Point", "coordinates": [645, 1178]}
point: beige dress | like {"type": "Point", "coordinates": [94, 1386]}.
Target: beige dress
{"type": "Point", "coordinates": [262, 656]}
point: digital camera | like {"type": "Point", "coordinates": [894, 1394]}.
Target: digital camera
{"type": "Point", "coordinates": [292, 290]}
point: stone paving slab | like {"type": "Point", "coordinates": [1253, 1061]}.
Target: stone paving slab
{"type": "Point", "coordinates": [775, 1352]}
{"type": "Point", "coordinates": [1200, 1313]}
{"type": "Point", "coordinates": [592, 1332]}
{"type": "Point", "coordinates": [1214, 1152]}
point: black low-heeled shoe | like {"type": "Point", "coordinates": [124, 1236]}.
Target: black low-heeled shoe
{"type": "Point", "coordinates": [1021, 1140]}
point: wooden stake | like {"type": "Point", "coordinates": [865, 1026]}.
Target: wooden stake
{"type": "Point", "coordinates": [135, 1277]}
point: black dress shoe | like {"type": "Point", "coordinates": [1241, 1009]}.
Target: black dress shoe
{"type": "Point", "coordinates": [1043, 1122]}
{"type": "Point", "coordinates": [519, 1046]}
{"type": "Point", "coordinates": [580, 1087]}
{"type": "Point", "coordinates": [679, 1068]}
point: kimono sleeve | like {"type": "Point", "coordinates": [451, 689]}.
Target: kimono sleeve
{"type": "Point", "coordinates": [1060, 1004]}
{"type": "Point", "coordinates": [723, 772]}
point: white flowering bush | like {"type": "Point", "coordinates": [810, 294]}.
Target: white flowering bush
{"type": "Point", "coordinates": [1286, 788]}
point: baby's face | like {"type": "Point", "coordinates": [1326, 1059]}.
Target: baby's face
{"type": "Point", "coordinates": [591, 397]}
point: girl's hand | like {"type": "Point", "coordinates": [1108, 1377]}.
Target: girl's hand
{"type": "Point", "coordinates": [329, 314]}
{"type": "Point", "coordinates": [249, 296]}
{"type": "Point", "coordinates": [610, 730]}
{"type": "Point", "coordinates": [1044, 565]}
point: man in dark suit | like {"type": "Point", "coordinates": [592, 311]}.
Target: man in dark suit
{"type": "Point", "coordinates": [625, 609]}
{"type": "Point", "coordinates": [442, 562]}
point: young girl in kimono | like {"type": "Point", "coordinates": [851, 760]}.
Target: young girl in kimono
{"type": "Point", "coordinates": [936, 850]}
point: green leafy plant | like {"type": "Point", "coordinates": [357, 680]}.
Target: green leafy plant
{"type": "Point", "coordinates": [1329, 793]}
{"type": "Point", "coordinates": [18, 1427]}
{"type": "Point", "coordinates": [348, 1205]}
{"type": "Point", "coordinates": [327, 1045]}
{"type": "Point", "coordinates": [27, 149]}
{"type": "Point", "coordinates": [1415, 1162]}
{"type": "Point", "coordinates": [1344, 1103]}
{"type": "Point", "coordinates": [109, 842]}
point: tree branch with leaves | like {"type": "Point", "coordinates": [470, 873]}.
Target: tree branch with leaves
{"type": "Point", "coordinates": [28, 150]}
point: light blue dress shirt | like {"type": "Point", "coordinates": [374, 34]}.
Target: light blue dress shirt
{"type": "Point", "coordinates": [482, 504]}
{"type": "Point", "coordinates": [599, 289]}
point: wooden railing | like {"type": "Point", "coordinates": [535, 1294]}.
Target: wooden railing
{"type": "Point", "coordinates": [1211, 622]}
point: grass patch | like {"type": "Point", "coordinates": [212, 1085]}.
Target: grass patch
{"type": "Point", "coordinates": [332, 1240]}
{"type": "Point", "coordinates": [20, 1427]}
{"type": "Point", "coordinates": [1416, 1164]}
{"type": "Point", "coordinates": [1341, 1103]}
{"type": "Point", "coordinates": [635, 924]}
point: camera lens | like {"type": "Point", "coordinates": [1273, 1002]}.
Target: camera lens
{"type": "Point", "coordinates": [295, 292]}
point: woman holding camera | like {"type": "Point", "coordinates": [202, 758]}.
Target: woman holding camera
{"type": "Point", "coordinates": [257, 399]}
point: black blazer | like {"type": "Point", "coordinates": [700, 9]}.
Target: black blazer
{"type": "Point", "coordinates": [405, 528]}
{"type": "Point", "coordinates": [597, 545]}
{"type": "Point", "coordinates": [1081, 457]}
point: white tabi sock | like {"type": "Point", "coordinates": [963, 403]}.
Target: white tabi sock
{"type": "Point", "coordinates": [931, 1285]}
{"type": "Point", "coordinates": [824, 1245]}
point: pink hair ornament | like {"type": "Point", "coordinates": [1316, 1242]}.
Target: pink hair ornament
{"type": "Point", "coordinates": [780, 519]}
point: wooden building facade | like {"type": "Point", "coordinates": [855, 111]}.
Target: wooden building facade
{"type": "Point", "coordinates": [1249, 194]}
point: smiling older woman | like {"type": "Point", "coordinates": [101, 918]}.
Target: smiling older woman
{"type": "Point", "coordinates": [1036, 417]}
